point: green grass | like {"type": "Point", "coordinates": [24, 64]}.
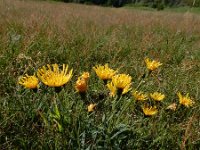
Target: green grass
{"type": "Point", "coordinates": [32, 35]}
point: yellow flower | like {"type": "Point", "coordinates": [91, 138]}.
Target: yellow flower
{"type": "Point", "coordinates": [85, 75]}
{"type": "Point", "coordinates": [149, 111]}
{"type": "Point", "coordinates": [140, 96]}
{"type": "Point", "coordinates": [30, 82]}
{"type": "Point", "coordinates": [157, 96]}
{"type": "Point", "coordinates": [81, 85]}
{"type": "Point", "coordinates": [185, 100]}
{"type": "Point", "coordinates": [152, 65]}
{"type": "Point", "coordinates": [104, 72]}
{"type": "Point", "coordinates": [91, 107]}
{"type": "Point", "coordinates": [53, 76]}
{"type": "Point", "coordinates": [120, 84]}
{"type": "Point", "coordinates": [112, 89]}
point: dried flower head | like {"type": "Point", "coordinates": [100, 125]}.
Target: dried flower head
{"type": "Point", "coordinates": [91, 107]}
{"type": "Point", "coordinates": [81, 85]}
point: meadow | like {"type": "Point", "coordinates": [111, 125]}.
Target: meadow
{"type": "Point", "coordinates": [34, 34]}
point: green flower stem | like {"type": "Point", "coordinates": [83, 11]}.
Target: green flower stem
{"type": "Point", "coordinates": [122, 111]}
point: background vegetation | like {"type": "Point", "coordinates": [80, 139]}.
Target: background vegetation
{"type": "Point", "coordinates": [32, 35]}
{"type": "Point", "coordinates": [159, 4]}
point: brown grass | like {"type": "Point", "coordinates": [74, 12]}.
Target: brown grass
{"type": "Point", "coordinates": [32, 14]}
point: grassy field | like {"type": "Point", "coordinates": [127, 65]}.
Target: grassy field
{"type": "Point", "coordinates": [34, 34]}
{"type": "Point", "coordinates": [179, 9]}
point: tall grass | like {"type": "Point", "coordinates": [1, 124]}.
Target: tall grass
{"type": "Point", "coordinates": [33, 34]}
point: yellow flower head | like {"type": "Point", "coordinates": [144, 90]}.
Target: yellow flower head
{"type": "Point", "coordinates": [152, 65]}
{"type": "Point", "coordinates": [85, 75]}
{"type": "Point", "coordinates": [91, 107]}
{"type": "Point", "coordinates": [140, 96]}
{"type": "Point", "coordinates": [157, 96]}
{"type": "Point", "coordinates": [120, 83]}
{"type": "Point", "coordinates": [185, 100]}
{"type": "Point", "coordinates": [112, 88]}
{"type": "Point", "coordinates": [104, 72]}
{"type": "Point", "coordinates": [29, 82]}
{"type": "Point", "coordinates": [81, 85]}
{"type": "Point", "coordinates": [53, 76]}
{"type": "Point", "coordinates": [149, 110]}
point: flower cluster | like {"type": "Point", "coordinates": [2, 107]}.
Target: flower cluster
{"type": "Point", "coordinates": [50, 75]}
{"type": "Point", "coordinates": [147, 99]}
{"type": "Point", "coordinates": [118, 84]}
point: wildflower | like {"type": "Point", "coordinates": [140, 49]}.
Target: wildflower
{"type": "Point", "coordinates": [120, 84]}
{"type": "Point", "coordinates": [185, 100]}
{"type": "Point", "coordinates": [140, 96]}
{"type": "Point", "coordinates": [85, 75]}
{"type": "Point", "coordinates": [112, 89]}
{"type": "Point", "coordinates": [149, 110]}
{"type": "Point", "coordinates": [172, 106]}
{"type": "Point", "coordinates": [104, 72]}
{"type": "Point", "coordinates": [91, 107]}
{"type": "Point", "coordinates": [152, 65]}
{"type": "Point", "coordinates": [81, 85]}
{"type": "Point", "coordinates": [53, 76]}
{"type": "Point", "coordinates": [30, 82]}
{"type": "Point", "coordinates": [157, 96]}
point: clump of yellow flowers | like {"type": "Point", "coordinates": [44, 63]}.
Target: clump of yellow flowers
{"type": "Point", "coordinates": [117, 84]}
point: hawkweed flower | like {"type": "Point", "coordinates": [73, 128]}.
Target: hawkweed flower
{"type": "Point", "coordinates": [140, 96]}
{"type": "Point", "coordinates": [81, 85]}
{"type": "Point", "coordinates": [185, 100]}
{"type": "Point", "coordinates": [120, 84]}
{"type": "Point", "coordinates": [149, 110]}
{"type": "Point", "coordinates": [112, 88]}
{"type": "Point", "coordinates": [29, 82]}
{"type": "Point", "coordinates": [104, 72]}
{"type": "Point", "coordinates": [157, 96]}
{"type": "Point", "coordinates": [52, 76]}
{"type": "Point", "coordinates": [152, 65]}
{"type": "Point", "coordinates": [91, 107]}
